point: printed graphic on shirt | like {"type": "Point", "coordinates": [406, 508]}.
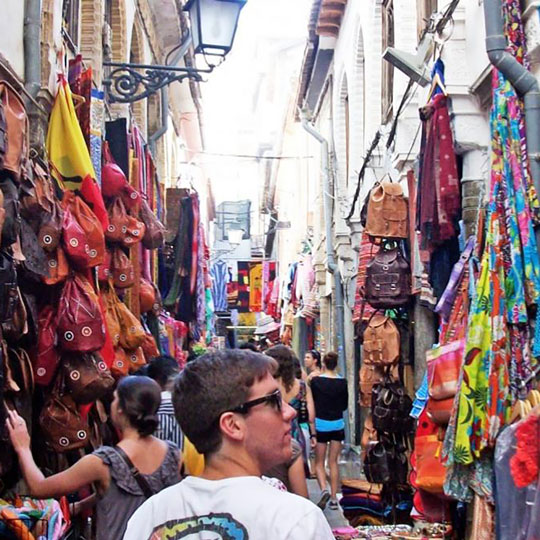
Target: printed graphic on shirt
{"type": "Point", "coordinates": [223, 524]}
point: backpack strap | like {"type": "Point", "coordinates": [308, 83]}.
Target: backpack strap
{"type": "Point", "coordinates": [143, 484]}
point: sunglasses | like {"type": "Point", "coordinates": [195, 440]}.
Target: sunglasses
{"type": "Point", "coordinates": [274, 399]}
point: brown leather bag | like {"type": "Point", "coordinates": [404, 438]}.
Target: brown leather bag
{"type": "Point", "coordinates": [87, 377]}
{"type": "Point", "coordinates": [387, 212]}
{"type": "Point", "coordinates": [111, 317]}
{"type": "Point", "coordinates": [370, 375]}
{"type": "Point", "coordinates": [136, 359]}
{"type": "Point", "coordinates": [50, 230]}
{"type": "Point", "coordinates": [154, 235]}
{"type": "Point", "coordinates": [147, 296]}
{"type": "Point", "coordinates": [122, 271]}
{"type": "Point", "coordinates": [58, 267]}
{"type": "Point", "coordinates": [120, 365]}
{"type": "Point", "coordinates": [381, 341]}
{"type": "Point", "coordinates": [36, 195]}
{"type": "Point", "coordinates": [123, 228]}
{"type": "Point", "coordinates": [149, 347]}
{"type": "Point", "coordinates": [131, 330]}
{"type": "Point", "coordinates": [80, 325]}
{"type": "Point", "coordinates": [61, 423]}
{"type": "Point", "coordinates": [388, 280]}
{"type": "Point", "coordinates": [17, 130]}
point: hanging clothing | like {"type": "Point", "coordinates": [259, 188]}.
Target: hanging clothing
{"type": "Point", "coordinates": [255, 287]}
{"type": "Point", "coordinates": [219, 273]}
{"type": "Point", "coordinates": [242, 303]}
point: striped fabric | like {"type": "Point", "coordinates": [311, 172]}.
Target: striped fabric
{"type": "Point", "coordinates": [168, 429]}
{"type": "Point", "coordinates": [367, 252]}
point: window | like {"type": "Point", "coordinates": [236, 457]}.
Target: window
{"type": "Point", "coordinates": [70, 23]}
{"type": "Point", "coordinates": [387, 67]}
{"type": "Point", "coordinates": [424, 9]}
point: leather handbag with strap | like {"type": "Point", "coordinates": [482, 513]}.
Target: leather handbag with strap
{"type": "Point", "coordinates": [137, 476]}
{"type": "Point", "coordinates": [113, 179]}
{"type": "Point", "coordinates": [17, 130]}
{"type": "Point", "coordinates": [154, 235]}
{"type": "Point", "coordinates": [123, 228]}
{"type": "Point", "coordinates": [122, 271]}
{"type": "Point", "coordinates": [385, 463]}
{"type": "Point", "coordinates": [87, 377]}
{"type": "Point", "coordinates": [391, 407]}
{"type": "Point", "coordinates": [387, 212]}
{"type": "Point", "coordinates": [381, 341]}
{"type": "Point", "coordinates": [369, 376]}
{"type": "Point", "coordinates": [388, 280]}
{"type": "Point", "coordinates": [74, 241]}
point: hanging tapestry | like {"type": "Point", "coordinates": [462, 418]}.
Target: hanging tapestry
{"type": "Point", "coordinates": [242, 303]}
{"type": "Point", "coordinates": [255, 287]}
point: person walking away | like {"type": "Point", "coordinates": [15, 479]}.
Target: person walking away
{"type": "Point", "coordinates": [163, 369]}
{"type": "Point", "coordinates": [229, 405]}
{"type": "Point", "coordinates": [331, 398]}
{"type": "Point", "coordinates": [298, 395]}
{"type": "Point", "coordinates": [133, 413]}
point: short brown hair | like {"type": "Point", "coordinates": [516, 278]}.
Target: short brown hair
{"type": "Point", "coordinates": [212, 384]}
{"type": "Point", "coordinates": [330, 360]}
{"type": "Point", "coordinates": [285, 358]}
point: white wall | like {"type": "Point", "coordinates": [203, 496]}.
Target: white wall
{"type": "Point", "coordinates": [11, 34]}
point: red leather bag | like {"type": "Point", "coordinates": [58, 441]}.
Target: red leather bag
{"type": "Point", "coordinates": [136, 359]}
{"type": "Point", "coordinates": [149, 347]}
{"type": "Point", "coordinates": [74, 241]}
{"type": "Point", "coordinates": [113, 179]}
{"type": "Point", "coordinates": [80, 324]}
{"type": "Point", "coordinates": [131, 198]}
{"type": "Point", "coordinates": [154, 235]}
{"type": "Point", "coordinates": [50, 230]}
{"type": "Point", "coordinates": [104, 269]}
{"type": "Point", "coordinates": [122, 271]}
{"type": "Point", "coordinates": [111, 317]}
{"type": "Point", "coordinates": [47, 358]}
{"type": "Point", "coordinates": [90, 224]}
{"type": "Point", "coordinates": [123, 228]}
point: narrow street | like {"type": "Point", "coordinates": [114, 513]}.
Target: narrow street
{"type": "Point", "coordinates": [269, 269]}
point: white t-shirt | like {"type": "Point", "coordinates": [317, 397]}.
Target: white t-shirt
{"type": "Point", "coordinates": [239, 508]}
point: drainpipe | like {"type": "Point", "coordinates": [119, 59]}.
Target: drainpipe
{"type": "Point", "coordinates": [521, 79]}
{"type": "Point", "coordinates": [32, 47]}
{"type": "Point", "coordinates": [331, 265]}
{"type": "Point", "coordinates": [164, 121]}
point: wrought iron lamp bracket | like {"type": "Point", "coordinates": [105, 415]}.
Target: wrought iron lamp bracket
{"type": "Point", "coordinates": [127, 83]}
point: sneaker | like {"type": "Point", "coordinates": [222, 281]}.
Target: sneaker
{"type": "Point", "coordinates": [333, 504]}
{"type": "Point", "coordinates": [325, 496]}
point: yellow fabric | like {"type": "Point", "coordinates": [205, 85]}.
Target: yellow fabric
{"type": "Point", "coordinates": [65, 143]}
{"type": "Point", "coordinates": [193, 461]}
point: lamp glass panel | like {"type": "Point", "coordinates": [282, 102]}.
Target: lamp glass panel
{"type": "Point", "coordinates": [194, 15]}
{"type": "Point", "coordinates": [218, 20]}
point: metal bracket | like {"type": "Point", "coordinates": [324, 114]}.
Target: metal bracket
{"type": "Point", "coordinates": [132, 82]}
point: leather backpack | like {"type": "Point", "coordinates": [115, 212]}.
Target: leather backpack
{"type": "Point", "coordinates": [380, 341]}
{"type": "Point", "coordinates": [369, 376]}
{"type": "Point", "coordinates": [87, 377]}
{"type": "Point", "coordinates": [60, 421]}
{"type": "Point", "coordinates": [385, 464]}
{"type": "Point", "coordinates": [387, 212]}
{"type": "Point", "coordinates": [154, 234]}
{"type": "Point", "coordinates": [80, 324]}
{"type": "Point", "coordinates": [47, 358]}
{"type": "Point", "coordinates": [17, 130]}
{"type": "Point", "coordinates": [122, 271]}
{"type": "Point", "coordinates": [388, 280]}
{"type": "Point", "coordinates": [391, 407]}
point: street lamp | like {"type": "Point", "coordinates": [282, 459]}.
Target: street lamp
{"type": "Point", "coordinates": [213, 26]}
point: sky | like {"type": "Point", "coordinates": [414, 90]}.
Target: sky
{"type": "Point", "coordinates": [244, 99]}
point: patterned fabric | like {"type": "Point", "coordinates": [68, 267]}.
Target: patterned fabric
{"type": "Point", "coordinates": [219, 285]}
{"type": "Point", "coordinates": [367, 252]}
{"type": "Point", "coordinates": [497, 342]}
{"type": "Point", "coordinates": [255, 287]}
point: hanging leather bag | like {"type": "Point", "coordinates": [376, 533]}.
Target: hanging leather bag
{"type": "Point", "coordinates": [113, 179]}
{"type": "Point", "coordinates": [370, 375]}
{"type": "Point", "coordinates": [60, 421]}
{"type": "Point", "coordinates": [80, 325]}
{"type": "Point", "coordinates": [147, 296]}
{"type": "Point", "coordinates": [387, 212]}
{"type": "Point", "coordinates": [8, 287]}
{"type": "Point", "coordinates": [430, 471]}
{"type": "Point", "coordinates": [104, 269]}
{"type": "Point", "coordinates": [35, 265]}
{"type": "Point", "coordinates": [50, 230]}
{"type": "Point", "coordinates": [47, 357]}
{"type": "Point", "coordinates": [11, 226]}
{"type": "Point", "coordinates": [388, 280]}
{"type": "Point", "coordinates": [136, 359]}
{"type": "Point", "coordinates": [91, 226]}
{"type": "Point", "coordinates": [149, 347]}
{"type": "Point", "coordinates": [74, 241]}
{"type": "Point", "coordinates": [123, 228]}
{"type": "Point", "coordinates": [391, 407]}
{"type": "Point", "coordinates": [385, 464]}
{"type": "Point", "coordinates": [154, 234]}
{"type": "Point", "coordinates": [131, 330]}
{"type": "Point", "coordinates": [3, 135]}
{"type": "Point", "coordinates": [122, 271]}
{"type": "Point", "coordinates": [111, 317]}
{"type": "Point", "coordinates": [37, 196]}
{"type": "Point", "coordinates": [87, 377]}
{"type": "Point", "coordinates": [120, 365]}
{"type": "Point", "coordinates": [58, 267]}
{"type": "Point", "coordinates": [380, 341]}
{"type": "Point", "coordinates": [17, 130]}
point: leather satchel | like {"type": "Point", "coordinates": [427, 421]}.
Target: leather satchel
{"type": "Point", "coordinates": [17, 130]}
{"type": "Point", "coordinates": [122, 271]}
{"type": "Point", "coordinates": [387, 212]}
{"type": "Point", "coordinates": [61, 423]}
{"type": "Point", "coordinates": [388, 280]}
{"type": "Point", "coordinates": [80, 325]}
{"type": "Point", "coordinates": [87, 377]}
{"type": "Point", "coordinates": [381, 341]}
{"type": "Point", "coordinates": [154, 234]}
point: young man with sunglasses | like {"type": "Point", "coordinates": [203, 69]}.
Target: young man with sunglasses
{"type": "Point", "coordinates": [229, 405]}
